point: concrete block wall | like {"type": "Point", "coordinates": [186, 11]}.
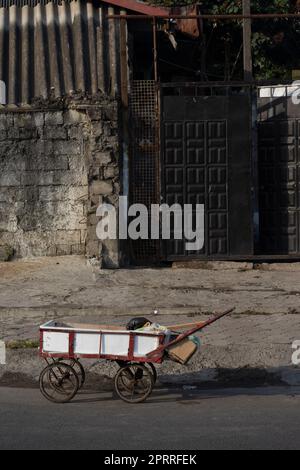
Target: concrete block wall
{"type": "Point", "coordinates": [56, 165]}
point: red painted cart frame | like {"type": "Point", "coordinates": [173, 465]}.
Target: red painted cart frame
{"type": "Point", "coordinates": [130, 357]}
{"type": "Point", "coordinates": [134, 382]}
{"type": "Point", "coordinates": [156, 356]}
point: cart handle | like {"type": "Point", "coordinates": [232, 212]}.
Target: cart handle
{"type": "Point", "coordinates": [188, 333]}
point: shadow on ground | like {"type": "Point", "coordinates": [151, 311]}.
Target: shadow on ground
{"type": "Point", "coordinates": [223, 378]}
{"type": "Point", "coordinates": [189, 397]}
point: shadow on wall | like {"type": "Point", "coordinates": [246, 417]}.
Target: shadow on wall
{"type": "Point", "coordinates": [279, 160]}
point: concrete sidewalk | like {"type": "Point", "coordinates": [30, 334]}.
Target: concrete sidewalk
{"type": "Point", "coordinates": [253, 345]}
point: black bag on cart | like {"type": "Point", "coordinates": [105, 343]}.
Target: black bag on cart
{"type": "Point", "coordinates": [137, 323]}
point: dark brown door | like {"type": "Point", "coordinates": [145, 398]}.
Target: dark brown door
{"type": "Point", "coordinates": [206, 159]}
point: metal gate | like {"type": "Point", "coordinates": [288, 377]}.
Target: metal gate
{"type": "Point", "coordinates": [206, 159]}
{"type": "Point", "coordinates": [144, 168]}
{"type": "Point", "coordinates": [196, 147]}
{"type": "Point", "coordinates": [279, 175]}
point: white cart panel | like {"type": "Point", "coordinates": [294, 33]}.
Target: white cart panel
{"type": "Point", "coordinates": [56, 342]}
{"type": "Point", "coordinates": [85, 343]}
{"type": "Point", "coordinates": [114, 344]}
{"type": "Point", "coordinates": [144, 345]}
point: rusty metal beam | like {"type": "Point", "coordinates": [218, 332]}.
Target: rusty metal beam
{"type": "Point", "coordinates": [225, 84]}
{"type": "Point", "coordinates": [139, 7]}
{"type": "Point", "coordinates": [254, 16]}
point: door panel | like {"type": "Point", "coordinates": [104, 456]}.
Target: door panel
{"type": "Point", "coordinates": [206, 159]}
{"type": "Point", "coordinates": [279, 168]}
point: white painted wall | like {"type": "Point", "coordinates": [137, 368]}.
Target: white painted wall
{"type": "Point", "coordinates": [2, 92]}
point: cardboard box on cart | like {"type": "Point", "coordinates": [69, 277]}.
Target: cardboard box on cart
{"type": "Point", "coordinates": [183, 351]}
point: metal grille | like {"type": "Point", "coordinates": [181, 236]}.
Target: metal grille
{"type": "Point", "coordinates": [144, 109]}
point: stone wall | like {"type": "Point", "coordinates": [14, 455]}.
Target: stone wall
{"type": "Point", "coordinates": [55, 167]}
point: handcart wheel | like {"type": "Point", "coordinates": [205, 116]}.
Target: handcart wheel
{"type": "Point", "coordinates": [134, 383]}
{"type": "Point", "coordinates": [59, 383]}
{"type": "Point", "coordinates": [79, 369]}
{"type": "Point", "coordinates": [153, 370]}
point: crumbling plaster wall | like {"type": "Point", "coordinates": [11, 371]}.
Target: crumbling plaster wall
{"type": "Point", "coordinates": [56, 165]}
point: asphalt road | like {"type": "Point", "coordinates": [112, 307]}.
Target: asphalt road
{"type": "Point", "coordinates": [266, 418]}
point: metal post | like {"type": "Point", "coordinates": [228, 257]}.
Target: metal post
{"type": "Point", "coordinates": [155, 49]}
{"type": "Point", "coordinates": [125, 125]}
{"type": "Point", "coordinates": [124, 60]}
{"type": "Point", "coordinates": [247, 36]}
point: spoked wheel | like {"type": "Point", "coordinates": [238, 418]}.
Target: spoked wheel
{"type": "Point", "coordinates": [150, 366]}
{"type": "Point", "coordinates": [153, 370]}
{"type": "Point", "coordinates": [134, 383]}
{"type": "Point", "coordinates": [79, 369]}
{"type": "Point", "coordinates": [59, 382]}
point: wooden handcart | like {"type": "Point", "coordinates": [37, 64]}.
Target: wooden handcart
{"type": "Point", "coordinates": [135, 352]}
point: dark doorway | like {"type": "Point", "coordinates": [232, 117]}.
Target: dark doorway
{"type": "Point", "coordinates": [279, 176]}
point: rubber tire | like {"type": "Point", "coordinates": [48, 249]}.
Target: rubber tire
{"type": "Point", "coordinates": [146, 395]}
{"type": "Point", "coordinates": [67, 398]}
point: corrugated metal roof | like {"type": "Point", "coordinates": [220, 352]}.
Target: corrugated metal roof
{"type": "Point", "coordinates": [133, 5]}
{"type": "Point", "coordinates": [55, 47]}
{"type": "Point", "coordinates": [49, 49]}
